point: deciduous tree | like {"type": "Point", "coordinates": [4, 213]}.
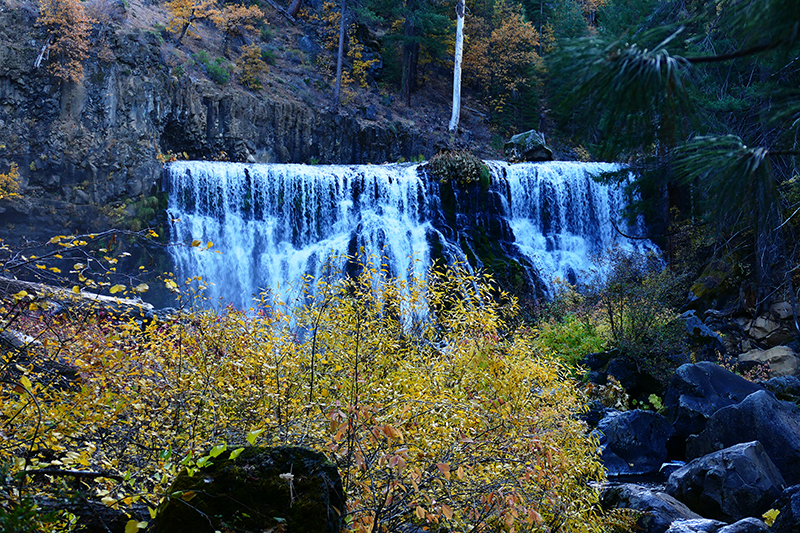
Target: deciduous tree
{"type": "Point", "coordinates": [69, 28]}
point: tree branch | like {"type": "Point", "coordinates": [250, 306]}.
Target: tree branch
{"type": "Point", "coordinates": [763, 47]}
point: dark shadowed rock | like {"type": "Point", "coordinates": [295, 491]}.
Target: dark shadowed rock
{"type": "Point", "coordinates": [696, 392]}
{"type": "Point", "coordinates": [746, 525]}
{"type": "Point", "coordinates": [633, 442]}
{"type": "Point", "coordinates": [660, 508]}
{"type": "Point", "coordinates": [788, 520]}
{"type": "Point", "coordinates": [761, 417]}
{"type": "Point", "coordinates": [706, 343]}
{"type": "Point", "coordinates": [730, 484]}
{"type": "Point", "coordinates": [263, 489]}
{"type": "Point", "coordinates": [784, 388]}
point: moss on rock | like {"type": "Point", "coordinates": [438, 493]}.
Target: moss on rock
{"type": "Point", "coordinates": [290, 489]}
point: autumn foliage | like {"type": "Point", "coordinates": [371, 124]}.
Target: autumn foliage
{"type": "Point", "coordinates": [436, 414]}
{"type": "Point", "coordinates": [69, 28]}
{"type": "Point", "coordinates": [9, 182]}
{"type": "Point", "coordinates": [499, 51]}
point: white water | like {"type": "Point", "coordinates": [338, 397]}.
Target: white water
{"type": "Point", "coordinates": [274, 224]}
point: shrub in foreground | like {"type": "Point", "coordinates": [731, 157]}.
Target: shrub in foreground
{"type": "Point", "coordinates": [435, 414]}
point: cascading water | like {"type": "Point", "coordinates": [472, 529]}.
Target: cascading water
{"type": "Point", "coordinates": [274, 224]}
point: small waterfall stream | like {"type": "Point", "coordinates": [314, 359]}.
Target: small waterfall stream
{"type": "Point", "coordinates": [274, 224]}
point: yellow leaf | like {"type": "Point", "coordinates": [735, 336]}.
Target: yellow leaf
{"type": "Point", "coordinates": [41, 267]}
{"type": "Point", "coordinates": [20, 295]}
{"type": "Point", "coordinates": [76, 289]}
{"type": "Point", "coordinates": [132, 526]}
{"type": "Point", "coordinates": [56, 270]}
{"type": "Point", "coordinates": [447, 511]}
{"type": "Point", "coordinates": [152, 512]}
{"type": "Point", "coordinates": [171, 284]}
{"type": "Point", "coordinates": [210, 244]}
{"type": "Point", "coordinates": [26, 382]}
{"type": "Point", "coordinates": [188, 495]}
{"type": "Point", "coordinates": [420, 512]}
{"type": "Point", "coordinates": [116, 288]}
{"type": "Point", "coordinates": [196, 243]}
{"type": "Point", "coordinates": [142, 287]}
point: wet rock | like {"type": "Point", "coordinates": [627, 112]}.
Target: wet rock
{"type": "Point", "coordinates": [762, 417]}
{"type": "Point", "coordinates": [660, 509]}
{"type": "Point", "coordinates": [731, 484]}
{"type": "Point", "coordinates": [263, 489]}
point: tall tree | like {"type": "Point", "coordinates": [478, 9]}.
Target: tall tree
{"type": "Point", "coordinates": [410, 52]}
{"type": "Point", "coordinates": [457, 66]}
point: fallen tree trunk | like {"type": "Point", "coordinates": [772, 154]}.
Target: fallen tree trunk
{"type": "Point", "coordinates": [74, 300]}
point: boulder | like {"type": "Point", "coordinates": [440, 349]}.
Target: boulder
{"type": "Point", "coordinates": [784, 388]}
{"type": "Point", "coordinates": [762, 417]}
{"type": "Point", "coordinates": [731, 484]}
{"type": "Point", "coordinates": [769, 330]}
{"type": "Point", "coordinates": [696, 392]}
{"type": "Point", "coordinates": [659, 509]}
{"type": "Point", "coordinates": [706, 343]}
{"type": "Point", "coordinates": [696, 525]}
{"type": "Point", "coordinates": [633, 442]}
{"type": "Point", "coordinates": [746, 525]}
{"type": "Point", "coordinates": [781, 359]}
{"type": "Point", "coordinates": [263, 489]}
{"type": "Point", "coordinates": [528, 146]}
{"type": "Point", "coordinates": [788, 520]}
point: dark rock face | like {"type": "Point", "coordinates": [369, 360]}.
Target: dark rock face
{"type": "Point", "coordinates": [86, 149]}
{"type": "Point", "coordinates": [528, 146]}
{"type": "Point", "coordinates": [633, 442]}
{"type": "Point", "coordinates": [297, 485]}
{"type": "Point", "coordinates": [785, 388]}
{"type": "Point", "coordinates": [788, 521]}
{"type": "Point", "coordinates": [660, 509]}
{"type": "Point", "coordinates": [706, 343]}
{"type": "Point", "coordinates": [761, 417]}
{"type": "Point", "coordinates": [696, 392]}
{"type": "Point", "coordinates": [731, 484]}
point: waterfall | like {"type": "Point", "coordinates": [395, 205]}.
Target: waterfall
{"type": "Point", "coordinates": [274, 224]}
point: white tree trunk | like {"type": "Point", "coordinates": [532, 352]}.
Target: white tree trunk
{"type": "Point", "coordinates": [457, 66]}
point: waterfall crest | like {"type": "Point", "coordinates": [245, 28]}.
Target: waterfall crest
{"type": "Point", "coordinates": [274, 224]}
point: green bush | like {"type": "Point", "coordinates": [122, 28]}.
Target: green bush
{"type": "Point", "coordinates": [570, 338]}
{"type": "Point", "coordinates": [459, 166]}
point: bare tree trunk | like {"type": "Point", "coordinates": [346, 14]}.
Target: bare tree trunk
{"type": "Point", "coordinates": [339, 60]}
{"type": "Point", "coordinates": [457, 67]}
{"type": "Point", "coordinates": [294, 8]}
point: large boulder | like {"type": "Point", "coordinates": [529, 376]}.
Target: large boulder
{"type": "Point", "coordinates": [696, 392]}
{"type": "Point", "coordinates": [263, 489]}
{"type": "Point", "coordinates": [731, 484]}
{"type": "Point", "coordinates": [659, 509]}
{"type": "Point", "coordinates": [784, 388]}
{"type": "Point", "coordinates": [788, 520]}
{"type": "Point", "coordinates": [528, 146]}
{"type": "Point", "coordinates": [762, 417]}
{"type": "Point", "coordinates": [781, 359]}
{"type": "Point", "coordinates": [633, 442]}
